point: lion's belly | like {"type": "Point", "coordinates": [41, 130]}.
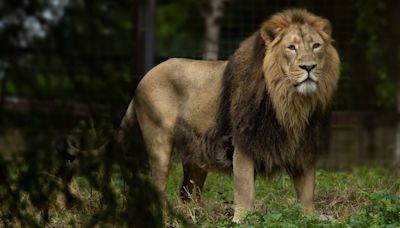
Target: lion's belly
{"type": "Point", "coordinates": [205, 149]}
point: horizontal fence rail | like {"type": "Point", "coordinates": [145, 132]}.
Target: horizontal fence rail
{"type": "Point", "coordinates": [17, 104]}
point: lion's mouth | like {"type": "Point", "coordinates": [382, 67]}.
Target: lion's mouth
{"type": "Point", "coordinates": [307, 80]}
{"type": "Point", "coordinates": [307, 86]}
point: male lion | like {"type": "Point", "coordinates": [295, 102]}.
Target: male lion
{"type": "Point", "coordinates": [260, 111]}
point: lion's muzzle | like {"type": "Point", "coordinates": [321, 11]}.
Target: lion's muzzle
{"type": "Point", "coordinates": [307, 84]}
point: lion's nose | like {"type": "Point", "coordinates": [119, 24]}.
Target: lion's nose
{"type": "Point", "coordinates": [308, 67]}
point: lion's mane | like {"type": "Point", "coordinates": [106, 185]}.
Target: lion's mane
{"type": "Point", "coordinates": [258, 112]}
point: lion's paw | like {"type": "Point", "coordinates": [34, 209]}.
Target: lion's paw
{"type": "Point", "coordinates": [326, 217]}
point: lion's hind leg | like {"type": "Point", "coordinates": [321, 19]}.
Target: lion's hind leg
{"type": "Point", "coordinates": [193, 181]}
{"type": "Point", "coordinates": [160, 157]}
{"type": "Point", "coordinates": [159, 146]}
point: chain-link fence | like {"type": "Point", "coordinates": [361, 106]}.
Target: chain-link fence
{"type": "Point", "coordinates": [80, 77]}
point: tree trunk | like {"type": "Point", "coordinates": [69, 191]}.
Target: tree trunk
{"type": "Point", "coordinates": [212, 14]}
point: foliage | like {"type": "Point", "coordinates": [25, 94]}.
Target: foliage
{"type": "Point", "coordinates": [23, 22]}
{"type": "Point", "coordinates": [37, 184]}
{"type": "Point", "coordinates": [179, 29]}
{"type": "Point", "coordinates": [376, 42]}
{"type": "Point", "coordinates": [383, 209]}
{"type": "Point", "coordinates": [87, 52]}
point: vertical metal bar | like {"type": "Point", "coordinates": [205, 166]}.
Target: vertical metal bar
{"type": "Point", "coordinates": [143, 37]}
{"type": "Point", "coordinates": [149, 14]}
{"type": "Point", "coordinates": [138, 39]}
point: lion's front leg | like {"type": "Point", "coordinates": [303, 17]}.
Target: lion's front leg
{"type": "Point", "coordinates": [304, 184]}
{"type": "Point", "coordinates": [243, 181]}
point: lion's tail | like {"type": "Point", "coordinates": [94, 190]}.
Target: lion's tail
{"type": "Point", "coordinates": [128, 121]}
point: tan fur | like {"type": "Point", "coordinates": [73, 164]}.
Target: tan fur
{"type": "Point", "coordinates": [206, 108]}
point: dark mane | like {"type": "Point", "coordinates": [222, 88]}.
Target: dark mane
{"type": "Point", "coordinates": [247, 115]}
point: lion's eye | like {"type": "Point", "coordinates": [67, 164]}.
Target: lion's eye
{"type": "Point", "coordinates": [292, 47]}
{"type": "Point", "coordinates": [316, 45]}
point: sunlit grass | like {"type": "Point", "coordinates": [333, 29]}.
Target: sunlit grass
{"type": "Point", "coordinates": [360, 197]}
{"type": "Point", "coordinates": [339, 196]}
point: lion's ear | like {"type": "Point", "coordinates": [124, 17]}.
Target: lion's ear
{"type": "Point", "coordinates": [268, 32]}
{"type": "Point", "coordinates": [324, 26]}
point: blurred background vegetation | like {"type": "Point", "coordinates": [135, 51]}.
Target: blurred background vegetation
{"type": "Point", "coordinates": [68, 68]}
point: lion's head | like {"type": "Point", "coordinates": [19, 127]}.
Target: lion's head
{"type": "Point", "coordinates": [301, 66]}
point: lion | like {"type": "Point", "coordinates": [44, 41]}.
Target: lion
{"type": "Point", "coordinates": [260, 112]}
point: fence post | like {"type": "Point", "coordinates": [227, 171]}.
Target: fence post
{"type": "Point", "coordinates": [143, 37]}
{"type": "Point", "coordinates": [149, 14]}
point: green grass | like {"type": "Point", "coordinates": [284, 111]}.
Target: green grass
{"type": "Point", "coordinates": [363, 197]}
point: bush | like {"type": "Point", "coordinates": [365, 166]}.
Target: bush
{"type": "Point", "coordinates": [383, 210]}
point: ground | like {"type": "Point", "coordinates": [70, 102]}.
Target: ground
{"type": "Point", "coordinates": [345, 197]}
{"type": "Point", "coordinates": [362, 197]}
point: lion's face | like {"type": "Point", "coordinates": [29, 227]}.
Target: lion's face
{"type": "Point", "coordinates": [300, 66]}
{"type": "Point", "coordinates": [302, 57]}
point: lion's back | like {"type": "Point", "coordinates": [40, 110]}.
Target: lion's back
{"type": "Point", "coordinates": [183, 88]}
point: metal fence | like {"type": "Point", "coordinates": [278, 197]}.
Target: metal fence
{"type": "Point", "coordinates": [354, 122]}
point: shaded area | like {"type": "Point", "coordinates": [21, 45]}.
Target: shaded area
{"type": "Point", "coordinates": [65, 73]}
{"type": "Point", "coordinates": [37, 181]}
